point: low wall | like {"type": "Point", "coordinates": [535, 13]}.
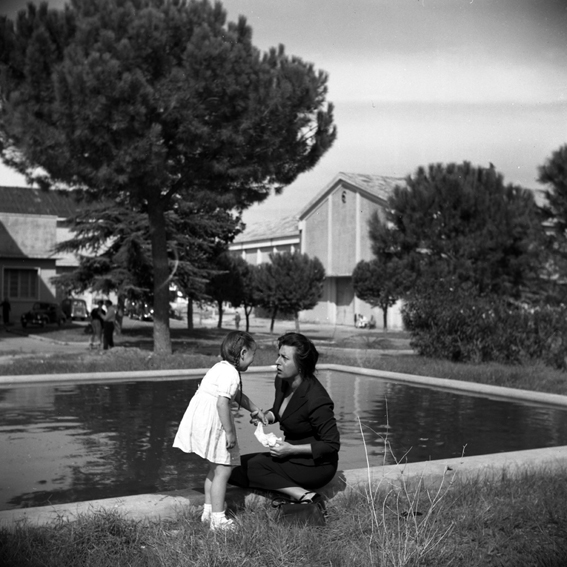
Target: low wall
{"type": "Point", "coordinates": [432, 474]}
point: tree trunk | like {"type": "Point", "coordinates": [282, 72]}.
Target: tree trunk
{"type": "Point", "coordinates": [189, 313]}
{"type": "Point", "coordinates": [296, 318]}
{"type": "Point", "coordinates": [156, 217]}
{"type": "Point", "coordinates": [385, 318]}
{"type": "Point", "coordinates": [219, 325]}
{"type": "Point", "coordinates": [119, 313]}
{"type": "Point", "coordinates": [247, 311]}
{"type": "Point", "coordinates": [274, 315]}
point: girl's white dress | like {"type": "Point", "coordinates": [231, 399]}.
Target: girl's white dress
{"type": "Point", "coordinates": [201, 430]}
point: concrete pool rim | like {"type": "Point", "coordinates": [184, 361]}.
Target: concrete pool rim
{"type": "Point", "coordinates": [445, 384]}
{"type": "Point", "coordinates": [168, 505]}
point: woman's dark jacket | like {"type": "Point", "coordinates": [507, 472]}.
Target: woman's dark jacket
{"type": "Point", "coordinates": [308, 419]}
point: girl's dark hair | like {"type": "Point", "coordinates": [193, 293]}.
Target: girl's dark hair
{"type": "Point", "coordinates": [306, 355]}
{"type": "Point", "coordinates": [233, 344]}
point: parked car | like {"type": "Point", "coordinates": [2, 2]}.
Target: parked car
{"type": "Point", "coordinates": [139, 310]}
{"type": "Point", "coordinates": [43, 313]}
{"type": "Point", "coordinates": [75, 309]}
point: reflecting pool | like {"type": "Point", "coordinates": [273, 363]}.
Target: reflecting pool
{"type": "Point", "coordinates": [70, 442]}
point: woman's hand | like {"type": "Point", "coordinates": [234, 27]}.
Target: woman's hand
{"type": "Point", "coordinates": [282, 449]}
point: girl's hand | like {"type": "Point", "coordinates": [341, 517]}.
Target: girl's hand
{"type": "Point", "coordinates": [230, 440]}
{"type": "Point", "coordinates": [259, 416]}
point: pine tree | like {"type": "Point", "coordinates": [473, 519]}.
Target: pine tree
{"type": "Point", "coordinates": [457, 225]}
{"type": "Point", "coordinates": [553, 173]}
{"type": "Point", "coordinates": [290, 283]}
{"type": "Point", "coordinates": [113, 244]}
{"type": "Point", "coordinates": [149, 101]}
{"type": "Point", "coordinates": [380, 283]}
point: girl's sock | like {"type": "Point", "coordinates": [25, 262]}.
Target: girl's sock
{"type": "Point", "coordinates": [206, 515]}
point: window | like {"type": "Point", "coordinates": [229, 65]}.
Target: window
{"type": "Point", "coordinates": [21, 284]}
{"type": "Point", "coordinates": [343, 196]}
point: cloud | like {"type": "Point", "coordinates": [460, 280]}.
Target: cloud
{"type": "Point", "coordinates": [444, 78]}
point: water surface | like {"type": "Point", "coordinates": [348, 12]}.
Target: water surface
{"type": "Point", "coordinates": [64, 443]}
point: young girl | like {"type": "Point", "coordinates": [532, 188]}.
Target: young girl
{"type": "Point", "coordinates": [208, 429]}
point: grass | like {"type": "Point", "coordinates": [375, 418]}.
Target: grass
{"type": "Point", "coordinates": [199, 349]}
{"type": "Point", "coordinates": [512, 522]}
{"type": "Point", "coordinates": [517, 523]}
{"type": "Point", "coordinates": [535, 377]}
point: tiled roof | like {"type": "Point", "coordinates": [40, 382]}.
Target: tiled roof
{"type": "Point", "coordinates": [379, 185]}
{"type": "Point", "coordinates": [27, 201]}
{"type": "Point", "coordinates": [284, 227]}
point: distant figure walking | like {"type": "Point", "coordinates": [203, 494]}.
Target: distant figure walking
{"type": "Point", "coordinates": [6, 308]}
{"type": "Point", "coordinates": [97, 321]}
{"type": "Point", "coordinates": [108, 328]}
{"type": "Point", "coordinates": [237, 320]}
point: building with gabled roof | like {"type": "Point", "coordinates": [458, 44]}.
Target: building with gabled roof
{"type": "Point", "coordinates": [259, 240]}
{"type": "Point", "coordinates": [333, 227]}
{"type": "Point", "coordinates": [32, 222]}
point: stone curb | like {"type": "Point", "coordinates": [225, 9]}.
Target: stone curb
{"type": "Point", "coordinates": [365, 352]}
{"type": "Point", "coordinates": [441, 474]}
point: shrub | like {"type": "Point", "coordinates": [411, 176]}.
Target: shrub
{"type": "Point", "coordinates": [462, 327]}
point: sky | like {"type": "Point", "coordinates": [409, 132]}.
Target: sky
{"type": "Point", "coordinates": [416, 82]}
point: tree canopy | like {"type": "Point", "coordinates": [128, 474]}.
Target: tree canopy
{"type": "Point", "coordinates": [113, 243]}
{"type": "Point", "coordinates": [227, 283]}
{"type": "Point", "coordinates": [245, 294]}
{"type": "Point", "coordinates": [457, 225]}
{"type": "Point", "coordinates": [149, 101]}
{"type": "Point", "coordinates": [380, 282]}
{"type": "Point", "coordinates": [553, 173]}
{"type": "Point", "coordinates": [290, 283]}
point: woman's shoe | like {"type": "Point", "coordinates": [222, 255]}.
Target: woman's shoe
{"type": "Point", "coordinates": [314, 498]}
{"type": "Point", "coordinates": [280, 501]}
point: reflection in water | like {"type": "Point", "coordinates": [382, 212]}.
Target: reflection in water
{"type": "Point", "coordinates": [75, 442]}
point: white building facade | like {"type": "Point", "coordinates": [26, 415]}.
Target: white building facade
{"type": "Point", "coordinates": [334, 228]}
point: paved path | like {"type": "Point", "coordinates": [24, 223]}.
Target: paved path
{"type": "Point", "coordinates": [14, 343]}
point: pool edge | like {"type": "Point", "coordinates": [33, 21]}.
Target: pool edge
{"type": "Point", "coordinates": [167, 506]}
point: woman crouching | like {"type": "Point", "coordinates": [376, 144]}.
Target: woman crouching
{"type": "Point", "coordinates": [307, 458]}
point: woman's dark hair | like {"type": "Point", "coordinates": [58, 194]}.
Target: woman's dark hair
{"type": "Point", "coordinates": [233, 344]}
{"type": "Point", "coordinates": [306, 355]}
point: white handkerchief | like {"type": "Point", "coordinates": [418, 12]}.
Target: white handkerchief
{"type": "Point", "coordinates": [267, 439]}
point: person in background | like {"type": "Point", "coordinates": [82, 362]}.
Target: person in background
{"type": "Point", "coordinates": [6, 308]}
{"type": "Point", "coordinates": [97, 321]}
{"type": "Point", "coordinates": [208, 429]}
{"type": "Point", "coordinates": [109, 319]}
{"type": "Point", "coordinates": [237, 320]}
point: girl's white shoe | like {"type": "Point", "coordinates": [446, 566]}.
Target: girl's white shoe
{"type": "Point", "coordinates": [219, 522]}
{"type": "Point", "coordinates": [207, 512]}
{"type": "Point", "coordinates": [206, 515]}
